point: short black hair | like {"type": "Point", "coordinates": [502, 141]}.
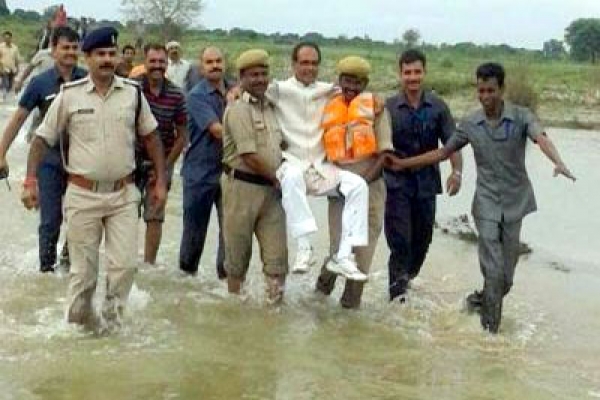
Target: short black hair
{"type": "Point", "coordinates": [412, 55]}
{"type": "Point", "coordinates": [9, 33]}
{"type": "Point", "coordinates": [64, 32]}
{"type": "Point", "coordinates": [155, 46]}
{"type": "Point", "coordinates": [301, 45]}
{"type": "Point", "coordinates": [491, 70]}
{"type": "Point", "coordinates": [127, 47]}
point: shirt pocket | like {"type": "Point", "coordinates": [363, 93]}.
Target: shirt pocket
{"type": "Point", "coordinates": [84, 124]}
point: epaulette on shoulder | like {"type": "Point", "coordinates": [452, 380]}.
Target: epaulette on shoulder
{"type": "Point", "coordinates": [72, 84]}
{"type": "Point", "coordinates": [131, 82]}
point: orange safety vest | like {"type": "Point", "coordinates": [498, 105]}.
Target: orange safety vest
{"type": "Point", "coordinates": [348, 132]}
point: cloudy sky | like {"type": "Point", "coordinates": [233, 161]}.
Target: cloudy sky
{"type": "Point", "coordinates": [521, 23]}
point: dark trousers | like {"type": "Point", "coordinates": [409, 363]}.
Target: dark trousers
{"type": "Point", "coordinates": [198, 201]}
{"type": "Point", "coordinates": [51, 183]}
{"type": "Point", "coordinates": [8, 79]}
{"type": "Point", "coordinates": [408, 225]}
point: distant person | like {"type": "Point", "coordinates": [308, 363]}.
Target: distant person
{"type": "Point", "coordinates": [83, 28]}
{"type": "Point", "coordinates": [10, 59]}
{"type": "Point", "coordinates": [51, 179]}
{"type": "Point", "coordinates": [125, 65]}
{"type": "Point", "coordinates": [202, 170]}
{"type": "Point", "coordinates": [60, 17]}
{"type": "Point", "coordinates": [498, 132]}
{"type": "Point", "coordinates": [140, 33]}
{"type": "Point", "coordinates": [40, 62]}
{"type": "Point", "coordinates": [178, 67]}
{"type": "Point", "coordinates": [45, 36]}
{"type": "Point", "coordinates": [420, 120]}
{"type": "Point", "coordinates": [356, 137]}
{"type": "Point", "coordinates": [168, 106]}
{"type": "Point", "coordinates": [251, 198]}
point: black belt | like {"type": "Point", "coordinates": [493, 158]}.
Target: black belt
{"type": "Point", "coordinates": [247, 176]}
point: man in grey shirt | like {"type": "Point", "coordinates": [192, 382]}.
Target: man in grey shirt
{"type": "Point", "coordinates": [498, 133]}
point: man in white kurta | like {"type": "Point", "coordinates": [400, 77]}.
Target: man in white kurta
{"type": "Point", "coordinates": [300, 101]}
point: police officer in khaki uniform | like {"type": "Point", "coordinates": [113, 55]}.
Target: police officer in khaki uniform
{"type": "Point", "coordinates": [251, 195]}
{"type": "Point", "coordinates": [97, 115]}
{"type": "Point", "coordinates": [353, 79]}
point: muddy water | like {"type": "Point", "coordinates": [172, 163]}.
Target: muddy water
{"type": "Point", "coordinates": [187, 339]}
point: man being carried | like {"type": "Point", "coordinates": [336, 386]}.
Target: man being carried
{"type": "Point", "coordinates": [498, 133]}
{"type": "Point", "coordinates": [355, 139]}
{"type": "Point", "coordinates": [300, 102]}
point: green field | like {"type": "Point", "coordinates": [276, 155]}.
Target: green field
{"type": "Point", "coordinates": [568, 92]}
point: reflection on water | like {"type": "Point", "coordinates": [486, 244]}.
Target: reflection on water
{"type": "Point", "coordinates": [185, 338]}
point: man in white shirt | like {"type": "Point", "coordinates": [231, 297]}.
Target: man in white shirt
{"type": "Point", "coordinates": [178, 68]}
{"type": "Point", "coordinates": [9, 62]}
{"type": "Point", "coordinates": [300, 102]}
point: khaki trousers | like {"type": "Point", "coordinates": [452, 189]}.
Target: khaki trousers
{"type": "Point", "coordinates": [89, 217]}
{"type": "Point", "coordinates": [364, 255]}
{"type": "Point", "coordinates": [250, 209]}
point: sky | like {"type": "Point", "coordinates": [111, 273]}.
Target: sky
{"type": "Point", "coordinates": [519, 23]}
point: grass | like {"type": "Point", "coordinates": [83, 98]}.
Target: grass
{"type": "Point", "coordinates": [564, 92]}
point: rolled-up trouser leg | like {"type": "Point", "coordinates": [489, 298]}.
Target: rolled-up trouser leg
{"type": "Point", "coordinates": [198, 202]}
{"type": "Point", "coordinates": [423, 218]}
{"type": "Point", "coordinates": [84, 234]}
{"type": "Point", "coordinates": [121, 242]}
{"type": "Point", "coordinates": [355, 216]}
{"type": "Point", "coordinates": [270, 230]}
{"type": "Point", "coordinates": [511, 233]}
{"type": "Point", "coordinates": [491, 260]}
{"type": "Point", "coordinates": [299, 216]}
{"type": "Point", "coordinates": [51, 188]}
{"type": "Point", "coordinates": [398, 233]}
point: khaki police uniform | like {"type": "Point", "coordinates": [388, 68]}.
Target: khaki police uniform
{"type": "Point", "coordinates": [251, 204]}
{"type": "Point", "coordinates": [101, 199]}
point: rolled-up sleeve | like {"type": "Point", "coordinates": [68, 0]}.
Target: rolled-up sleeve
{"type": "Point", "coordinates": [238, 124]}
{"type": "Point", "coordinates": [459, 139]}
{"type": "Point", "coordinates": [54, 122]}
{"type": "Point", "coordinates": [532, 124]}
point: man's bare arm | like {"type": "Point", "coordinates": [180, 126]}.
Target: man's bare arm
{"type": "Point", "coordinates": [12, 130]}
{"type": "Point", "coordinates": [548, 148]}
{"type": "Point", "coordinates": [180, 142]}
{"type": "Point", "coordinates": [431, 157]}
{"type": "Point", "coordinates": [259, 167]}
{"type": "Point", "coordinates": [216, 130]}
{"type": "Point", "coordinates": [37, 151]}
{"type": "Point", "coordinates": [154, 149]}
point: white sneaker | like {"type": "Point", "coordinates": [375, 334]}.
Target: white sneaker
{"type": "Point", "coordinates": [347, 267]}
{"type": "Point", "coordinates": [304, 260]}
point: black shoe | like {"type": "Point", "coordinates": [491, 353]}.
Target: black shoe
{"type": "Point", "coordinates": [475, 302]}
{"type": "Point", "coordinates": [46, 268]}
{"type": "Point", "coordinates": [398, 290]}
{"type": "Point", "coordinates": [491, 314]}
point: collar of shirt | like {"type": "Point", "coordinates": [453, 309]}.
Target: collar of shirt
{"type": "Point", "coordinates": [508, 114]}
{"type": "Point", "coordinates": [426, 100]}
{"type": "Point", "coordinates": [146, 86]}
{"type": "Point", "coordinates": [76, 73]}
{"type": "Point", "coordinates": [248, 98]}
{"type": "Point", "coordinates": [117, 83]}
{"type": "Point", "coordinates": [207, 88]}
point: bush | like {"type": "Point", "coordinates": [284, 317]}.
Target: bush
{"type": "Point", "coordinates": [447, 63]}
{"type": "Point", "coordinates": [519, 89]}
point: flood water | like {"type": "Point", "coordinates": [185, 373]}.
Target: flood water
{"type": "Point", "coordinates": [185, 338]}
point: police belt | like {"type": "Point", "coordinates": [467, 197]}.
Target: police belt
{"type": "Point", "coordinates": [100, 186]}
{"type": "Point", "coordinates": [246, 176]}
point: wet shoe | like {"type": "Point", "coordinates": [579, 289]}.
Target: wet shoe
{"type": "Point", "coordinates": [46, 268]}
{"type": "Point", "coordinates": [304, 260]}
{"type": "Point", "coordinates": [346, 267]}
{"type": "Point", "coordinates": [491, 314]}
{"type": "Point", "coordinates": [398, 290]}
{"type": "Point", "coordinates": [474, 302]}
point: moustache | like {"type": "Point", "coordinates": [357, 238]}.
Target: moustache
{"type": "Point", "coordinates": [157, 69]}
{"type": "Point", "coordinates": [107, 66]}
{"type": "Point", "coordinates": [216, 70]}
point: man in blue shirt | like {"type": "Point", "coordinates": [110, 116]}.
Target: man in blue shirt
{"type": "Point", "coordinates": [202, 169]}
{"type": "Point", "coordinates": [40, 93]}
{"type": "Point", "coordinates": [420, 119]}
